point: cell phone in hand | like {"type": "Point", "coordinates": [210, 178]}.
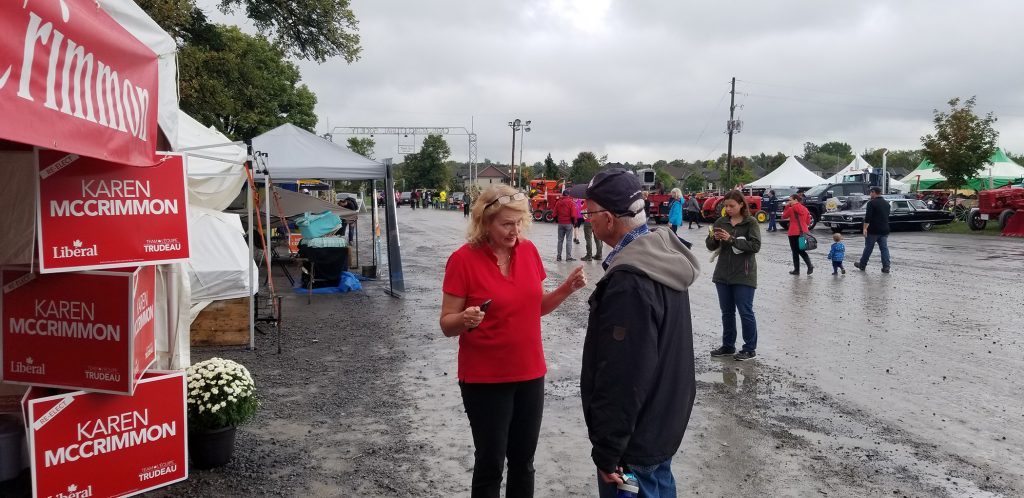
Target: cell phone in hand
{"type": "Point", "coordinates": [484, 305]}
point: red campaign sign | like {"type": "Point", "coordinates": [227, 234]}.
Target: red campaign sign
{"type": "Point", "coordinates": [97, 214]}
{"type": "Point", "coordinates": [92, 331]}
{"type": "Point", "coordinates": [86, 444]}
{"type": "Point", "coordinates": [73, 79]}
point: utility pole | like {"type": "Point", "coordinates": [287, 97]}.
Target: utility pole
{"type": "Point", "coordinates": [731, 127]}
{"type": "Point", "coordinates": [515, 125]}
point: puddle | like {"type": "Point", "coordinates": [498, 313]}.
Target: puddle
{"type": "Point", "coordinates": [733, 377]}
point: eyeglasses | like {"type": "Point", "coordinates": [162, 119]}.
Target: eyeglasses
{"type": "Point", "coordinates": [622, 215]}
{"type": "Point", "coordinates": [505, 199]}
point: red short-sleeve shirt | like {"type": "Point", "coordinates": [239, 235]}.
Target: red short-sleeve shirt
{"type": "Point", "coordinates": [506, 346]}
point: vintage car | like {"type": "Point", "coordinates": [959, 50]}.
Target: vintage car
{"type": "Point", "coordinates": [904, 214]}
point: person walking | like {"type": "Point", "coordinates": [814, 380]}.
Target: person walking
{"type": "Point", "coordinates": [467, 202]}
{"type": "Point", "coordinates": [501, 358]}
{"type": "Point", "coordinates": [593, 244]}
{"type": "Point", "coordinates": [578, 206]}
{"type": "Point", "coordinates": [876, 230]}
{"type": "Point", "coordinates": [737, 238]}
{"type": "Point", "coordinates": [444, 199]}
{"type": "Point", "coordinates": [799, 219]}
{"type": "Point", "coordinates": [837, 253]}
{"type": "Point", "coordinates": [675, 210]}
{"type": "Point", "coordinates": [693, 210]}
{"type": "Point", "coordinates": [771, 205]}
{"type": "Point", "coordinates": [637, 379]}
{"type": "Point", "coordinates": [565, 216]}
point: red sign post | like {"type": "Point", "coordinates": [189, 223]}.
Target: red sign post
{"type": "Point", "coordinates": [96, 214]}
{"type": "Point", "coordinates": [91, 330]}
{"type": "Point", "coordinates": [73, 79]}
{"type": "Point", "coordinates": [89, 445]}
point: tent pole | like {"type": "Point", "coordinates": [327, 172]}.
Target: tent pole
{"type": "Point", "coordinates": [252, 266]}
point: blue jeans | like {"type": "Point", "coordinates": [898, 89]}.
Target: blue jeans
{"type": "Point", "coordinates": [771, 220]}
{"type": "Point", "coordinates": [732, 298]}
{"type": "Point", "coordinates": [883, 247]}
{"type": "Point", "coordinates": [565, 233]}
{"type": "Point", "coordinates": [656, 481]}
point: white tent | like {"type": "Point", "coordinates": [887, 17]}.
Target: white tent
{"type": "Point", "coordinates": [790, 174]}
{"type": "Point", "coordinates": [295, 154]}
{"type": "Point", "coordinates": [216, 170]}
{"type": "Point", "coordinates": [859, 166]}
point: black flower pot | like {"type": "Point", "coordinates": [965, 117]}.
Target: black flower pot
{"type": "Point", "coordinates": [211, 449]}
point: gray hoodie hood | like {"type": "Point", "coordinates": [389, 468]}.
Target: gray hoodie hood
{"type": "Point", "coordinates": [663, 257]}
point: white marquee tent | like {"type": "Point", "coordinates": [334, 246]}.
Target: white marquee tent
{"type": "Point", "coordinates": [296, 154]}
{"type": "Point", "coordinates": [860, 165]}
{"type": "Point", "coordinates": [790, 174]}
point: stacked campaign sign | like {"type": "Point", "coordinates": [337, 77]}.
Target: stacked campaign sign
{"type": "Point", "coordinates": [89, 330]}
{"type": "Point", "coordinates": [98, 214]}
{"type": "Point", "coordinates": [90, 445]}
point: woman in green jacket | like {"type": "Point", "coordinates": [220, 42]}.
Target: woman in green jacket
{"type": "Point", "coordinates": [737, 238]}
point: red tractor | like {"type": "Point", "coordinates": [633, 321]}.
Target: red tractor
{"type": "Point", "coordinates": [712, 208]}
{"type": "Point", "coordinates": [1004, 204]}
{"type": "Point", "coordinates": [543, 195]}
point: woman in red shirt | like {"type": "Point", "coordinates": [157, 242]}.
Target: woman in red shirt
{"type": "Point", "coordinates": [799, 221]}
{"type": "Point", "coordinates": [501, 359]}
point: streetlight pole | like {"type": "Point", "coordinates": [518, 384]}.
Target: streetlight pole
{"type": "Point", "coordinates": [515, 125]}
{"type": "Point", "coordinates": [522, 140]}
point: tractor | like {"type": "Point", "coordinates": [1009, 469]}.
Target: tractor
{"type": "Point", "coordinates": [1005, 205]}
{"type": "Point", "coordinates": [712, 207]}
{"type": "Point", "coordinates": [543, 195]}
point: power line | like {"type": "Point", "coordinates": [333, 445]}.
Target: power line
{"type": "Point", "coordinates": [711, 116]}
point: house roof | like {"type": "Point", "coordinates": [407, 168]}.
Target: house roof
{"type": "Point", "coordinates": [492, 171]}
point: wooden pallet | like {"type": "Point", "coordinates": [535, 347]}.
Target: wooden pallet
{"type": "Point", "coordinates": [222, 323]}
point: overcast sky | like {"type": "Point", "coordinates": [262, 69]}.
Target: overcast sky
{"type": "Point", "coordinates": [642, 80]}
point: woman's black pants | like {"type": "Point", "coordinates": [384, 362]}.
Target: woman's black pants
{"type": "Point", "coordinates": [794, 245]}
{"type": "Point", "coordinates": [505, 419]}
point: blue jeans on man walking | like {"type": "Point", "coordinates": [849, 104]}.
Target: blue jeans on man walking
{"type": "Point", "coordinates": [656, 481]}
{"type": "Point", "coordinates": [564, 234]}
{"type": "Point", "coordinates": [869, 246]}
{"type": "Point", "coordinates": [732, 298]}
{"type": "Point", "coordinates": [771, 220]}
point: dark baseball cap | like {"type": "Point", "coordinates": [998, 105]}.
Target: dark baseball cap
{"type": "Point", "coordinates": [877, 190]}
{"type": "Point", "coordinates": [615, 190]}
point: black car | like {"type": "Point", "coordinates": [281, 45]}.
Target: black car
{"type": "Point", "coordinates": [904, 214]}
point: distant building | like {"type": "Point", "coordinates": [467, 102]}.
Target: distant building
{"type": "Point", "coordinates": [490, 175]}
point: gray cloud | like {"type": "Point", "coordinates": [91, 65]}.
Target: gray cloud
{"type": "Point", "coordinates": [645, 80]}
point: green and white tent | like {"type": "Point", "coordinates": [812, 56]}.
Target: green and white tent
{"type": "Point", "coordinates": [999, 171]}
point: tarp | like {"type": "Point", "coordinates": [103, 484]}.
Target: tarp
{"type": "Point", "coordinates": [294, 154]}
{"type": "Point", "coordinates": [859, 165]}
{"type": "Point", "coordinates": [215, 172]}
{"type": "Point", "coordinates": [220, 263]}
{"type": "Point", "coordinates": [790, 174]}
{"type": "Point", "coordinates": [999, 171]}
{"type": "Point", "coordinates": [294, 203]}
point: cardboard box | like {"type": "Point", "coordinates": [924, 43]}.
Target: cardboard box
{"type": "Point", "coordinates": [92, 331]}
{"type": "Point", "coordinates": [89, 445]}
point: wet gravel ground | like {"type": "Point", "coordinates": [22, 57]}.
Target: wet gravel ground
{"type": "Point", "coordinates": [865, 384]}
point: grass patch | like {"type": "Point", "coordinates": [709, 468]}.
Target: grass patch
{"type": "Point", "coordinates": [991, 228]}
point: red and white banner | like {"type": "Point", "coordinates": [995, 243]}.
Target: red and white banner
{"type": "Point", "coordinates": [97, 214]}
{"type": "Point", "coordinates": [87, 444]}
{"type": "Point", "coordinates": [92, 331]}
{"type": "Point", "coordinates": [73, 79]}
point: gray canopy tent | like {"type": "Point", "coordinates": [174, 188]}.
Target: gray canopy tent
{"type": "Point", "coordinates": [291, 153]}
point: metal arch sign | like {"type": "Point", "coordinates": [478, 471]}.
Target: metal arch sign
{"type": "Point", "coordinates": [73, 79]}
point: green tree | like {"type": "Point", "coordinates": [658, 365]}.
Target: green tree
{"type": "Point", "coordinates": [838, 149]}
{"type": "Point", "coordinates": [584, 167]}
{"type": "Point", "coordinates": [427, 168]}
{"type": "Point", "coordinates": [362, 146]}
{"type": "Point", "coordinates": [664, 179]}
{"type": "Point", "coordinates": [827, 162]}
{"type": "Point", "coordinates": [962, 143]}
{"type": "Point", "coordinates": [550, 168]}
{"type": "Point", "coordinates": [242, 85]}
{"type": "Point", "coordinates": [694, 183]}
{"type": "Point", "coordinates": [810, 149]}
{"type": "Point", "coordinates": [306, 29]}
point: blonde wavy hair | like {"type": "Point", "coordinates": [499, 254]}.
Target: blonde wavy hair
{"type": "Point", "coordinates": [482, 216]}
